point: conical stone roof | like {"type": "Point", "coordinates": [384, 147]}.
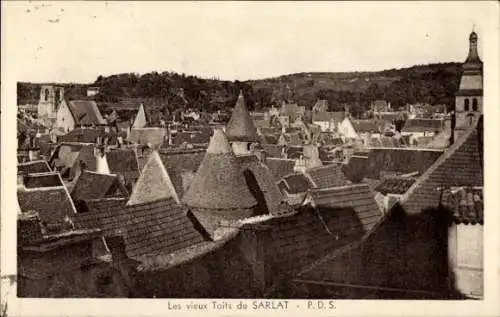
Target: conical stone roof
{"type": "Point", "coordinates": [241, 127]}
{"type": "Point", "coordinates": [219, 182]}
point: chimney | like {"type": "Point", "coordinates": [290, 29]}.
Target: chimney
{"type": "Point", "coordinates": [20, 180]}
{"type": "Point", "coordinates": [33, 154]}
{"type": "Point", "coordinates": [283, 152]}
{"type": "Point", "coordinates": [101, 160]}
{"type": "Point", "coordinates": [312, 153]}
{"type": "Point", "coordinates": [300, 164]}
{"type": "Point", "coordinates": [261, 155]}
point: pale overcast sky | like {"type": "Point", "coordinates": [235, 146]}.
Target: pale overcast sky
{"type": "Point", "coordinates": [77, 41]}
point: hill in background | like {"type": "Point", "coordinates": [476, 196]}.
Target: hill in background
{"type": "Point", "coordinates": [433, 84]}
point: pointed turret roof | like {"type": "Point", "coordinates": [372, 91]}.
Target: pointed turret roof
{"type": "Point", "coordinates": [219, 182]}
{"type": "Point", "coordinates": [473, 61]}
{"type": "Point", "coordinates": [241, 126]}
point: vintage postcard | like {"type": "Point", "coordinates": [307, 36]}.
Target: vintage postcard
{"type": "Point", "coordinates": [250, 158]}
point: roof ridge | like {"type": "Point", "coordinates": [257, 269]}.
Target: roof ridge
{"type": "Point", "coordinates": [441, 159]}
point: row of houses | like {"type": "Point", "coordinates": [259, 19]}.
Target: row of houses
{"type": "Point", "coordinates": [105, 215]}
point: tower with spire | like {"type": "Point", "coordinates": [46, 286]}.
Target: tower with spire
{"type": "Point", "coordinates": [219, 191]}
{"type": "Point", "coordinates": [469, 97]}
{"type": "Point", "coordinates": [240, 130]}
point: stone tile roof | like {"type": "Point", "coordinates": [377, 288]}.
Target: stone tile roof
{"type": "Point", "coordinates": [460, 165]}
{"type": "Point", "coordinates": [397, 160]}
{"type": "Point", "coordinates": [65, 155]}
{"type": "Point", "coordinates": [423, 125]}
{"type": "Point", "coordinates": [91, 185]}
{"type": "Point", "coordinates": [179, 163]}
{"type": "Point", "coordinates": [357, 197]}
{"type": "Point", "coordinates": [88, 135]}
{"type": "Point", "coordinates": [33, 167]}
{"type": "Point", "coordinates": [465, 203]}
{"type": "Point", "coordinates": [36, 180]}
{"type": "Point", "coordinates": [53, 204]}
{"type": "Point", "coordinates": [394, 185]}
{"type": "Point", "coordinates": [327, 176]}
{"type": "Point", "coordinates": [85, 112]}
{"type": "Point", "coordinates": [273, 150]}
{"type": "Point", "coordinates": [308, 235]}
{"type": "Point", "coordinates": [280, 167]}
{"type": "Point", "coordinates": [160, 227]}
{"type": "Point", "coordinates": [241, 127]}
{"type": "Point", "coordinates": [219, 182]}
{"type": "Point", "coordinates": [154, 183]}
{"type": "Point", "coordinates": [297, 183]}
{"type": "Point", "coordinates": [124, 162]}
{"type": "Point", "coordinates": [265, 181]}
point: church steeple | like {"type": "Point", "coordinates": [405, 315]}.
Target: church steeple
{"type": "Point", "coordinates": [469, 97]}
{"type": "Point", "coordinates": [473, 62]}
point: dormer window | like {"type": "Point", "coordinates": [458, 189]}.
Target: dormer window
{"type": "Point", "coordinates": [466, 105]}
{"type": "Point", "coordinates": [474, 104]}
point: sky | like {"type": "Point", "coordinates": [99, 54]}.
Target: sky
{"type": "Point", "coordinates": [78, 41]}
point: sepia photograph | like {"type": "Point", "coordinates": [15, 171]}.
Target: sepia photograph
{"type": "Point", "coordinates": [239, 156]}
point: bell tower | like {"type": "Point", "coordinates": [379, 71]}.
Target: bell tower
{"type": "Point", "coordinates": [50, 99]}
{"type": "Point", "coordinates": [469, 97]}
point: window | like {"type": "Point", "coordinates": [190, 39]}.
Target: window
{"type": "Point", "coordinates": [46, 94]}
{"type": "Point", "coordinates": [466, 105]}
{"type": "Point", "coordinates": [474, 104]}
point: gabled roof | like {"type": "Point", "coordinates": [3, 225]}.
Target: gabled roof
{"type": "Point", "coordinates": [465, 203]}
{"type": "Point", "coordinates": [40, 166]}
{"type": "Point", "coordinates": [124, 162]}
{"type": "Point", "coordinates": [265, 181]}
{"type": "Point", "coordinates": [179, 163]}
{"type": "Point", "coordinates": [327, 176]}
{"type": "Point", "coordinates": [365, 126]}
{"type": "Point", "coordinates": [308, 235]}
{"type": "Point", "coordinates": [280, 167]}
{"type": "Point", "coordinates": [85, 112]}
{"type": "Point", "coordinates": [460, 165]}
{"type": "Point", "coordinates": [423, 125]}
{"type": "Point", "coordinates": [53, 204]}
{"type": "Point", "coordinates": [160, 227]}
{"type": "Point", "coordinates": [91, 185]}
{"type": "Point", "coordinates": [219, 182]}
{"type": "Point", "coordinates": [357, 197]}
{"type": "Point", "coordinates": [37, 180]}
{"type": "Point", "coordinates": [65, 154]}
{"type": "Point", "coordinates": [241, 127]}
{"type": "Point", "coordinates": [154, 183]}
{"type": "Point", "coordinates": [397, 160]}
{"type": "Point", "coordinates": [321, 105]}
{"type": "Point", "coordinates": [88, 135]}
{"type": "Point", "coordinates": [297, 183]}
